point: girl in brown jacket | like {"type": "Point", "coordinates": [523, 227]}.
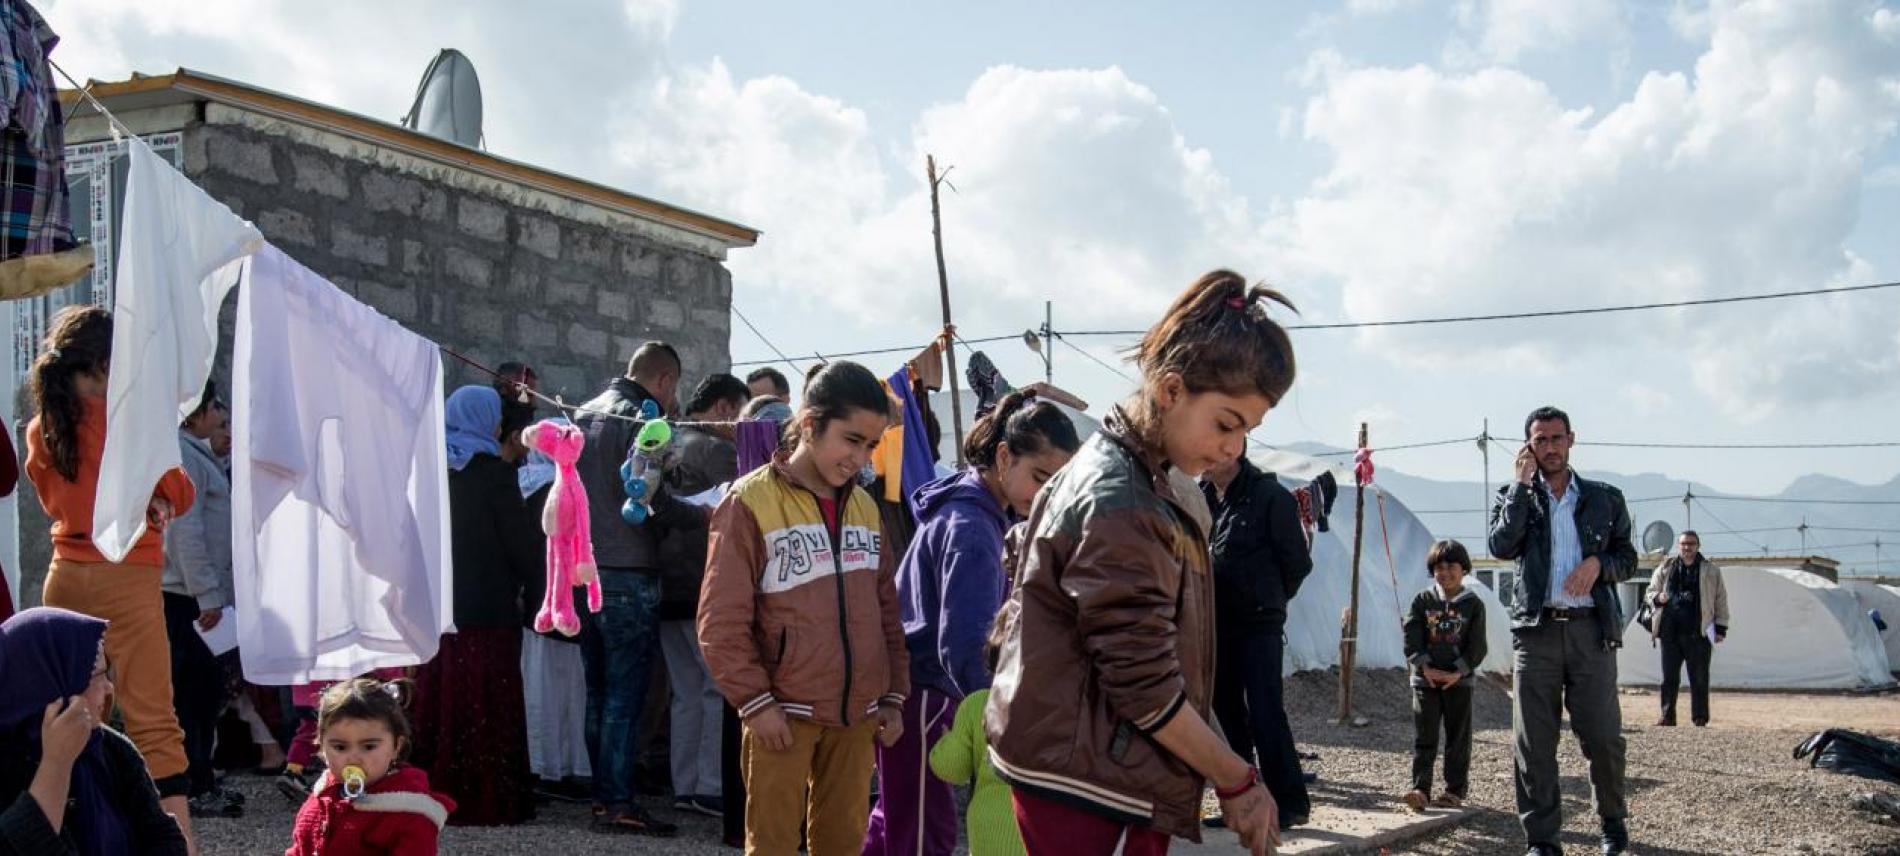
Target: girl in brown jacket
{"type": "Point", "coordinates": [1099, 712]}
{"type": "Point", "coordinates": [798, 620]}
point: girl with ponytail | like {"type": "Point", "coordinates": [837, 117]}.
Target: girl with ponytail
{"type": "Point", "coordinates": [65, 444]}
{"type": "Point", "coordinates": [949, 587]}
{"type": "Point", "coordinates": [1098, 717]}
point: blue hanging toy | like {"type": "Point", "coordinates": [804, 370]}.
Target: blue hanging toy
{"type": "Point", "coordinates": [640, 475]}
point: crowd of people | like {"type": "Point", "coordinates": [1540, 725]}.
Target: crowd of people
{"type": "Point", "coordinates": [1086, 632]}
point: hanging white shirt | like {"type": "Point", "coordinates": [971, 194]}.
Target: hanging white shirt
{"type": "Point", "coordinates": [339, 496]}
{"type": "Point", "coordinates": [179, 255]}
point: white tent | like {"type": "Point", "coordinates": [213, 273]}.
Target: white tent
{"type": "Point", "coordinates": [1790, 629]}
{"type": "Point", "coordinates": [1885, 598]}
{"type": "Point", "coordinates": [1386, 586]}
{"type": "Point", "coordinates": [1385, 590]}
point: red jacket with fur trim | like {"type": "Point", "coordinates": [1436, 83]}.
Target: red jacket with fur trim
{"type": "Point", "coordinates": [397, 816]}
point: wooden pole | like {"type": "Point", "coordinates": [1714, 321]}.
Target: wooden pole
{"type": "Point", "coordinates": [1349, 629]}
{"type": "Point", "coordinates": [943, 292]}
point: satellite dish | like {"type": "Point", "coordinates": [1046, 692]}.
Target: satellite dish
{"type": "Point", "coordinates": [448, 101]}
{"type": "Point", "coordinates": [1658, 536]}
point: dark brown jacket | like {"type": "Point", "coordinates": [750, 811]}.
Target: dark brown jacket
{"type": "Point", "coordinates": [1109, 634]}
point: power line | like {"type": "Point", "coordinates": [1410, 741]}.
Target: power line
{"type": "Point", "coordinates": [873, 352]}
{"type": "Point", "coordinates": [1738, 446]}
{"type": "Point", "coordinates": [1399, 448]}
{"type": "Point", "coordinates": [1550, 313]}
{"type": "Point", "coordinates": [1726, 529]}
{"type": "Point", "coordinates": [1795, 501]}
{"type": "Point", "coordinates": [768, 343]}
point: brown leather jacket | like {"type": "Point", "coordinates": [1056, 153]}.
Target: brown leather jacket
{"type": "Point", "coordinates": [1108, 634]}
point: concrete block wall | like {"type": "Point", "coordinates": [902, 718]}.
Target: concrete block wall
{"type": "Point", "coordinates": [485, 273]}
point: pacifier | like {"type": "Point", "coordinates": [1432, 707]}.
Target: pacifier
{"type": "Point", "coordinates": [354, 781]}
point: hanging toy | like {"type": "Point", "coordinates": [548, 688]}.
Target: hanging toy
{"type": "Point", "coordinates": [570, 557]}
{"type": "Point", "coordinates": [354, 782]}
{"type": "Point", "coordinates": [640, 475]}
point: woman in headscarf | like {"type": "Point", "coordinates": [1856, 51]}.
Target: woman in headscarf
{"type": "Point", "coordinates": [68, 783]}
{"type": "Point", "coordinates": [470, 722]}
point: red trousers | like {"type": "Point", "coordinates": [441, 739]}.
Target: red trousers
{"type": "Point", "coordinates": [1054, 828]}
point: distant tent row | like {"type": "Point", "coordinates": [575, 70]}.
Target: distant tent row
{"type": "Point", "coordinates": [1791, 629]}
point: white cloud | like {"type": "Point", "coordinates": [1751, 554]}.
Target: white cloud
{"type": "Point", "coordinates": [1482, 191]}
{"type": "Point", "coordinates": [1368, 8]}
{"type": "Point", "coordinates": [1508, 29]}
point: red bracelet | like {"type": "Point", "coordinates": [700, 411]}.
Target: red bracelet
{"type": "Point", "coordinates": [1253, 778]}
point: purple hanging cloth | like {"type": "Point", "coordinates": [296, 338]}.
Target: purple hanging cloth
{"type": "Point", "coordinates": [758, 439]}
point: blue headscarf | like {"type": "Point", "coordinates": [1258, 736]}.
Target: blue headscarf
{"type": "Point", "coordinates": [46, 654]}
{"type": "Point", "coordinates": [474, 422]}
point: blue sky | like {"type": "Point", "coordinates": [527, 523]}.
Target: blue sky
{"type": "Point", "coordinates": [1373, 158]}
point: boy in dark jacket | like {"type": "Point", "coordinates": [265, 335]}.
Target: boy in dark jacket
{"type": "Point", "coordinates": [1444, 642]}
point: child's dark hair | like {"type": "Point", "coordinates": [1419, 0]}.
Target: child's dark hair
{"type": "Point", "coordinates": [833, 391]}
{"type": "Point", "coordinates": [1447, 551]}
{"type": "Point", "coordinates": [1218, 338]}
{"type": "Point", "coordinates": [78, 342]}
{"type": "Point", "coordinates": [369, 700]}
{"type": "Point", "coordinates": [1025, 424]}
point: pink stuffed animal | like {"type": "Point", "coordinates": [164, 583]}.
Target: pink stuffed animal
{"type": "Point", "coordinates": [564, 519]}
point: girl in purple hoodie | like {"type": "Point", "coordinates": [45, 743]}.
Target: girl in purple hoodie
{"type": "Point", "coordinates": [950, 585]}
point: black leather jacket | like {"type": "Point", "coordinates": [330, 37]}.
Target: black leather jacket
{"type": "Point", "coordinates": [1520, 531]}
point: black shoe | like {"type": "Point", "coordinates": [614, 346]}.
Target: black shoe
{"type": "Point", "coordinates": [1544, 850]}
{"type": "Point", "coordinates": [1616, 836]}
{"type": "Point", "coordinates": [1215, 822]}
{"type": "Point", "coordinates": [1294, 820]}
{"type": "Point", "coordinates": [1309, 778]}
{"type": "Point", "coordinates": [215, 803]}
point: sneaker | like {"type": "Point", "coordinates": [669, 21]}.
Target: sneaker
{"type": "Point", "coordinates": [1448, 800]}
{"type": "Point", "coordinates": [631, 819]}
{"type": "Point", "coordinates": [295, 786]}
{"type": "Point", "coordinates": [708, 806]}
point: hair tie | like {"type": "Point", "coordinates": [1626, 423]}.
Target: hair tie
{"type": "Point", "coordinates": [391, 688]}
{"type": "Point", "coordinates": [1237, 303]}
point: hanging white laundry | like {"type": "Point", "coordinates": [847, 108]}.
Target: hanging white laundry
{"type": "Point", "coordinates": [179, 255]}
{"type": "Point", "coordinates": [339, 488]}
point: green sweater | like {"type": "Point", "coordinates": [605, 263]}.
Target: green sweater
{"type": "Point", "coordinates": [963, 753]}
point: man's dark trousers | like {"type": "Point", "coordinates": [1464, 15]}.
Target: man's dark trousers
{"type": "Point", "coordinates": [1695, 651]}
{"type": "Point", "coordinates": [1249, 701]}
{"type": "Point", "coordinates": [1564, 665]}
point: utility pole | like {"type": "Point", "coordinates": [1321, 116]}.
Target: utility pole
{"type": "Point", "coordinates": [1484, 507]}
{"type": "Point", "coordinates": [1803, 529]}
{"type": "Point", "coordinates": [943, 292]}
{"type": "Point", "coordinates": [1049, 342]}
{"type": "Point", "coordinates": [1349, 628]}
{"type": "Point", "coordinates": [1688, 514]}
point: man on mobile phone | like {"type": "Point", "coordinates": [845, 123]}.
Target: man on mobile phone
{"type": "Point", "coordinates": [1570, 537]}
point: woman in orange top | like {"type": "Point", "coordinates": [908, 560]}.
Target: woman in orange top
{"type": "Point", "coordinates": [64, 445]}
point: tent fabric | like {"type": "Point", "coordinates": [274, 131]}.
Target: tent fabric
{"type": "Point", "coordinates": [1790, 629]}
{"type": "Point", "coordinates": [1885, 598]}
{"type": "Point", "coordinates": [1314, 616]}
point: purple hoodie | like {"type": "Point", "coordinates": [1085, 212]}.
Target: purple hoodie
{"type": "Point", "coordinates": [951, 583]}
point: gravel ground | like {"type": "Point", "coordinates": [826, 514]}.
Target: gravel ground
{"type": "Point", "coordinates": [1728, 789]}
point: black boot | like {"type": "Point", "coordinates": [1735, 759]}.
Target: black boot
{"type": "Point", "coordinates": [1616, 836]}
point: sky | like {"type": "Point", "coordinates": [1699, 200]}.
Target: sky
{"type": "Point", "coordinates": [1372, 159]}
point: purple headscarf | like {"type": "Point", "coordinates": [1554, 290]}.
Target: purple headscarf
{"type": "Point", "coordinates": [47, 654]}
